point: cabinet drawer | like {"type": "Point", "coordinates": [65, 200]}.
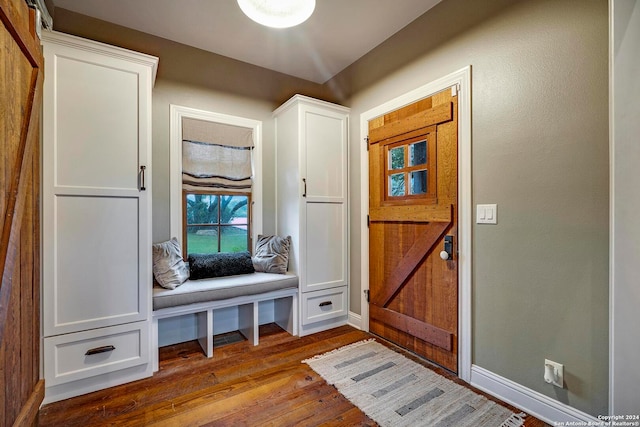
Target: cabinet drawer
{"type": "Point", "coordinates": [85, 354]}
{"type": "Point", "coordinates": [323, 305]}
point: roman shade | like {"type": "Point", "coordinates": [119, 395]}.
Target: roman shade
{"type": "Point", "coordinates": [216, 156]}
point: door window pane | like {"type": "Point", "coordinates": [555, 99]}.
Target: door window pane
{"type": "Point", "coordinates": [418, 183]}
{"type": "Point", "coordinates": [396, 185]}
{"type": "Point", "coordinates": [410, 170]}
{"type": "Point", "coordinates": [418, 153]}
{"type": "Point", "coordinates": [396, 158]}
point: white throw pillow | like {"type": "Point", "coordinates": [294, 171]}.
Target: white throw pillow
{"type": "Point", "coordinates": [272, 254]}
{"type": "Point", "coordinates": [169, 268]}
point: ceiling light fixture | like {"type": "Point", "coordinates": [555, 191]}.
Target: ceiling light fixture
{"type": "Point", "coordinates": [278, 13]}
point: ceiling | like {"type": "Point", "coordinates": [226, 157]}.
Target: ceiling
{"type": "Point", "coordinates": [338, 33]}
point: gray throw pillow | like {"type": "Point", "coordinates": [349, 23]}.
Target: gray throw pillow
{"type": "Point", "coordinates": [169, 268]}
{"type": "Point", "coordinates": [272, 254]}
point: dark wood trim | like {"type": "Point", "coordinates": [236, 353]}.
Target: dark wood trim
{"type": "Point", "coordinates": [436, 115]}
{"type": "Point", "coordinates": [29, 413]}
{"type": "Point", "coordinates": [417, 328]}
{"type": "Point", "coordinates": [24, 37]}
{"type": "Point", "coordinates": [412, 213]}
{"type": "Point", "coordinates": [18, 195]}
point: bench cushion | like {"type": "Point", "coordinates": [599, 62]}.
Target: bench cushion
{"type": "Point", "coordinates": [221, 288]}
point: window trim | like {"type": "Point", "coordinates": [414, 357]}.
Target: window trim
{"type": "Point", "coordinates": [177, 113]}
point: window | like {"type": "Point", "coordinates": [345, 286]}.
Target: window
{"type": "Point", "coordinates": [216, 222]}
{"type": "Point", "coordinates": [410, 171]}
{"type": "Point", "coordinates": [214, 156]}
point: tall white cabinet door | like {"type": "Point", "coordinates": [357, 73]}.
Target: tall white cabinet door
{"type": "Point", "coordinates": [96, 186]}
{"type": "Point", "coordinates": [324, 150]}
{"type": "Point", "coordinates": [325, 155]}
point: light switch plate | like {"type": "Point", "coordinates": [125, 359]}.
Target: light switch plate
{"type": "Point", "coordinates": [487, 214]}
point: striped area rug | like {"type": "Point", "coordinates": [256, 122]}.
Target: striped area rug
{"type": "Point", "coordinates": [395, 391]}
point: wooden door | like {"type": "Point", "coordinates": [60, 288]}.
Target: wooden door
{"type": "Point", "coordinates": [413, 212]}
{"type": "Point", "coordinates": [21, 73]}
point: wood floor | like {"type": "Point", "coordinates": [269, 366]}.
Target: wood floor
{"type": "Point", "coordinates": [241, 385]}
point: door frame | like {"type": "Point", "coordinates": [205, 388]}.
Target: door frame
{"type": "Point", "coordinates": [461, 79]}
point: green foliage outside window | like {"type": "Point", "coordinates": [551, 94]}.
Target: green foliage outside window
{"type": "Point", "coordinates": [216, 223]}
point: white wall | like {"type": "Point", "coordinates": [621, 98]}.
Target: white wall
{"type": "Point", "coordinates": [625, 230]}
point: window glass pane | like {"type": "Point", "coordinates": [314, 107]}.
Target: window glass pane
{"type": "Point", "coordinates": [202, 239]}
{"type": "Point", "coordinates": [418, 182]}
{"type": "Point", "coordinates": [205, 234]}
{"type": "Point", "coordinates": [202, 209]}
{"type": "Point", "coordinates": [234, 238]}
{"type": "Point", "coordinates": [233, 210]}
{"type": "Point", "coordinates": [396, 158]}
{"type": "Point", "coordinates": [396, 185]}
{"type": "Point", "coordinates": [418, 153]}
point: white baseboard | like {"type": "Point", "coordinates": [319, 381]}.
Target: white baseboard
{"type": "Point", "coordinates": [355, 320]}
{"type": "Point", "coordinates": [530, 401]}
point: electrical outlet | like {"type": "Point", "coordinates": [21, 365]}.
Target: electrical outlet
{"type": "Point", "coordinates": [554, 373]}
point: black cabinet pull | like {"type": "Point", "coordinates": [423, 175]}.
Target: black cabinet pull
{"type": "Point", "coordinates": [98, 350]}
{"type": "Point", "coordinates": [325, 303]}
{"type": "Point", "coordinates": [142, 186]}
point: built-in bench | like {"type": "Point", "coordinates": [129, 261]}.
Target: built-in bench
{"type": "Point", "coordinates": [245, 291]}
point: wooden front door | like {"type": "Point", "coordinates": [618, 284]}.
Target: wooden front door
{"type": "Point", "coordinates": [413, 215]}
{"type": "Point", "coordinates": [21, 74]}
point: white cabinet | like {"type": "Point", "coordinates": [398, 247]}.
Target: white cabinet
{"type": "Point", "coordinates": [311, 201]}
{"type": "Point", "coordinates": [96, 215]}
